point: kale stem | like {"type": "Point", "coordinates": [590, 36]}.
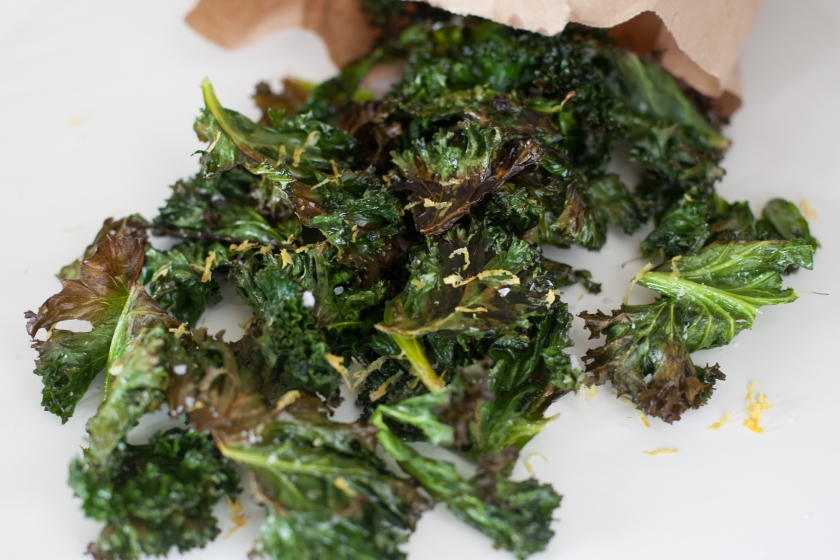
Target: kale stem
{"type": "Point", "coordinates": [119, 341]}
{"type": "Point", "coordinates": [420, 366]}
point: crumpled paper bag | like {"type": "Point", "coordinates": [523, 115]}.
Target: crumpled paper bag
{"type": "Point", "coordinates": [699, 40]}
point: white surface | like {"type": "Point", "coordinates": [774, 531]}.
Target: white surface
{"type": "Point", "coordinates": [97, 102]}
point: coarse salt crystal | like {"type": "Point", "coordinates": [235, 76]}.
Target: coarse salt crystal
{"type": "Point", "coordinates": [308, 299]}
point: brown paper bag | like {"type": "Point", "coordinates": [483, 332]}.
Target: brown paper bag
{"type": "Point", "coordinates": [700, 40]}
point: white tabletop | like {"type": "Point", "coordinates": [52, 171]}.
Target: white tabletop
{"type": "Point", "coordinates": [97, 101]}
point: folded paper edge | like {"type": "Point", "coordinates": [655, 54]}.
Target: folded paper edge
{"type": "Point", "coordinates": [687, 46]}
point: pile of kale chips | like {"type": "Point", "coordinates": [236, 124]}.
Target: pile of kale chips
{"type": "Point", "coordinates": [394, 245]}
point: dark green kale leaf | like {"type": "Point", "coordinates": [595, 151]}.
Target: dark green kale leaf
{"type": "Point", "coordinates": [465, 284]}
{"type": "Point", "coordinates": [180, 279]}
{"type": "Point", "coordinates": [706, 300]}
{"type": "Point", "coordinates": [613, 203]}
{"type": "Point", "coordinates": [306, 160]}
{"type": "Point", "coordinates": [576, 223]}
{"type": "Point", "coordinates": [468, 282]}
{"type": "Point", "coordinates": [232, 207]}
{"type": "Point", "coordinates": [328, 494]}
{"type": "Point", "coordinates": [456, 169]}
{"type": "Point", "coordinates": [701, 217]}
{"type": "Point", "coordinates": [109, 295]}
{"type": "Point", "coordinates": [684, 229]}
{"type": "Point", "coordinates": [563, 275]}
{"type": "Point", "coordinates": [354, 212]}
{"type": "Point", "coordinates": [781, 219]}
{"type": "Point", "coordinates": [345, 294]}
{"type": "Point", "coordinates": [516, 515]}
{"type": "Point", "coordinates": [653, 92]}
{"type": "Point", "coordinates": [280, 290]}
{"type": "Point", "coordinates": [546, 210]}
{"type": "Point", "coordinates": [492, 294]}
{"type": "Point", "coordinates": [154, 497]}
{"type": "Point", "coordinates": [676, 145]}
{"type": "Point", "coordinates": [731, 222]}
{"type": "Point", "coordinates": [530, 372]}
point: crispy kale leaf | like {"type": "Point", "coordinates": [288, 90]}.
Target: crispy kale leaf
{"type": "Point", "coordinates": [155, 496]}
{"type": "Point", "coordinates": [516, 515]}
{"type": "Point", "coordinates": [293, 350]}
{"type": "Point", "coordinates": [180, 279]}
{"type": "Point", "coordinates": [465, 284]}
{"type": "Point", "coordinates": [530, 372]}
{"type": "Point", "coordinates": [675, 144]}
{"type": "Point", "coordinates": [295, 149]}
{"type": "Point", "coordinates": [108, 295]}
{"type": "Point", "coordinates": [498, 141]}
{"type": "Point", "coordinates": [706, 300]}
{"type": "Point", "coordinates": [455, 170]}
{"type": "Point", "coordinates": [781, 219]}
{"type": "Point", "coordinates": [131, 226]}
{"type": "Point", "coordinates": [231, 207]}
{"type": "Point", "coordinates": [328, 494]}
{"type": "Point", "coordinates": [646, 359]}
{"type": "Point", "coordinates": [354, 212]}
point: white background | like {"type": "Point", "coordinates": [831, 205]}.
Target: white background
{"type": "Point", "coordinates": [97, 101]}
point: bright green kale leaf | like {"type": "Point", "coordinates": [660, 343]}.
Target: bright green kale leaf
{"type": "Point", "coordinates": [109, 295]}
{"type": "Point", "coordinates": [291, 150]}
{"type": "Point", "coordinates": [723, 287]}
{"type": "Point", "coordinates": [455, 170]}
{"type": "Point", "coordinates": [328, 494]}
{"type": "Point", "coordinates": [781, 219]}
{"type": "Point", "coordinates": [180, 279]}
{"type": "Point", "coordinates": [706, 300]}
